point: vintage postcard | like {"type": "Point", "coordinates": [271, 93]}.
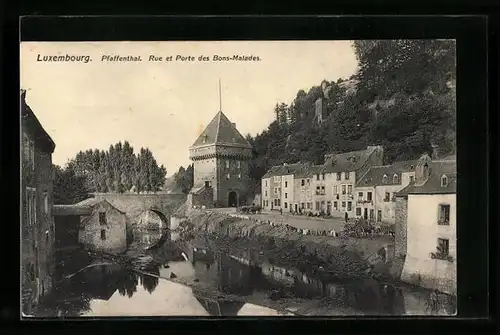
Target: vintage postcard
{"type": "Point", "coordinates": [265, 178]}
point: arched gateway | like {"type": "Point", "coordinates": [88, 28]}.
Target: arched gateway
{"type": "Point", "coordinates": [232, 199]}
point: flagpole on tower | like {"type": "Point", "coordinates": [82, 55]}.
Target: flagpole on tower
{"type": "Point", "coordinates": [220, 98]}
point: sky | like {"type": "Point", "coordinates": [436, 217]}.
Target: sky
{"type": "Point", "coordinates": [164, 105]}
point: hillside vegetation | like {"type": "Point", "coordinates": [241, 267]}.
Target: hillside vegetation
{"type": "Point", "coordinates": [402, 97]}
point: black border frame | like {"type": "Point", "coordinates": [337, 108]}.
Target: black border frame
{"type": "Point", "coordinates": [474, 131]}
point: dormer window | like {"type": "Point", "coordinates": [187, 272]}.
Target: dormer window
{"type": "Point", "coordinates": [384, 179]}
{"type": "Point", "coordinates": [444, 181]}
{"type": "Point", "coordinates": [395, 179]}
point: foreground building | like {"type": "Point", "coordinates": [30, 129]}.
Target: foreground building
{"type": "Point", "coordinates": [221, 164]}
{"type": "Point", "coordinates": [37, 224]}
{"type": "Point", "coordinates": [376, 189]}
{"type": "Point", "coordinates": [105, 229]}
{"type": "Point", "coordinates": [426, 226]}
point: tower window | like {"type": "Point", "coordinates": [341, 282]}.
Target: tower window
{"type": "Point", "coordinates": [103, 234]}
{"type": "Point", "coordinates": [444, 181]}
{"type": "Point", "coordinates": [102, 218]}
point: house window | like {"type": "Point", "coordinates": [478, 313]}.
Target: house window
{"type": "Point", "coordinates": [387, 196]}
{"type": "Point", "coordinates": [349, 189]}
{"type": "Point", "coordinates": [322, 190]}
{"type": "Point", "coordinates": [339, 175]}
{"type": "Point", "coordinates": [347, 175]}
{"type": "Point", "coordinates": [343, 204]}
{"type": "Point", "coordinates": [207, 184]}
{"type": "Point", "coordinates": [358, 211]}
{"type": "Point", "coordinates": [303, 182]}
{"type": "Point", "coordinates": [308, 181]}
{"type": "Point", "coordinates": [286, 195]}
{"type": "Point", "coordinates": [379, 216]}
{"type": "Point", "coordinates": [317, 176]}
{"type": "Point", "coordinates": [384, 179]}
{"type": "Point", "coordinates": [412, 178]}
{"type": "Point", "coordinates": [266, 183]}
{"type": "Point", "coordinates": [360, 195]}
{"type": "Point", "coordinates": [317, 205]}
{"type": "Point", "coordinates": [335, 205]}
{"type": "Point", "coordinates": [444, 215]}
{"type": "Point", "coordinates": [286, 205]}
{"type": "Point", "coordinates": [335, 190]}
{"type": "Point", "coordinates": [302, 205]}
{"type": "Point", "coordinates": [29, 152]}
{"type": "Point", "coordinates": [443, 246]}
{"type": "Point", "coordinates": [343, 189]}
{"type": "Point", "coordinates": [349, 206]}
{"type": "Point", "coordinates": [102, 218]}
{"type": "Point", "coordinates": [444, 181]}
{"type": "Point", "coordinates": [323, 176]}
{"type": "Point", "coordinates": [46, 202]}
{"type": "Point", "coordinates": [286, 184]}
{"type": "Point", "coordinates": [31, 205]}
{"type": "Point", "coordinates": [395, 179]}
{"type": "Point", "coordinates": [103, 234]}
{"type": "Point", "coordinates": [369, 196]}
{"type": "Point", "coordinates": [266, 193]}
{"type": "Point", "coordinates": [227, 164]}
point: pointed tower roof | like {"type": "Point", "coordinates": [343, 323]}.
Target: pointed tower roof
{"type": "Point", "coordinates": [221, 131]}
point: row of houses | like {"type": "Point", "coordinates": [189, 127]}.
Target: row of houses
{"type": "Point", "coordinates": [418, 196]}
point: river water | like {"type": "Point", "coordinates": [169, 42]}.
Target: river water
{"type": "Point", "coordinates": [212, 283]}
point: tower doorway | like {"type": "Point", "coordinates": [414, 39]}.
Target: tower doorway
{"type": "Point", "coordinates": [232, 200]}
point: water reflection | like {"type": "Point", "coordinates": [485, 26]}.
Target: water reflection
{"type": "Point", "coordinates": [104, 290]}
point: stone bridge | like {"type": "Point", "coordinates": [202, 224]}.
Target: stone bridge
{"type": "Point", "coordinates": [134, 205]}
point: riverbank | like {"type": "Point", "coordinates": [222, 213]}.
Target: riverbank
{"type": "Point", "coordinates": [343, 257]}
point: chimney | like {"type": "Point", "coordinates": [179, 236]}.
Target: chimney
{"type": "Point", "coordinates": [435, 151]}
{"type": "Point", "coordinates": [234, 124]}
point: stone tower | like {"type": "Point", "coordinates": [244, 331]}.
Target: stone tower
{"type": "Point", "coordinates": [221, 157]}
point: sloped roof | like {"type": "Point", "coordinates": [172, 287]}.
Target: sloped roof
{"type": "Point", "coordinates": [348, 161]}
{"type": "Point", "coordinates": [30, 121]}
{"type": "Point", "coordinates": [91, 202]}
{"type": "Point", "coordinates": [296, 169]}
{"type": "Point", "coordinates": [433, 184]}
{"type": "Point", "coordinates": [221, 131]}
{"type": "Point", "coordinates": [375, 175]}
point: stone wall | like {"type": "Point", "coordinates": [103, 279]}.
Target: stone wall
{"type": "Point", "coordinates": [232, 178]}
{"type": "Point", "coordinates": [115, 238]}
{"type": "Point", "coordinates": [38, 239]}
{"type": "Point", "coordinates": [401, 221]}
{"type": "Point", "coordinates": [352, 256]}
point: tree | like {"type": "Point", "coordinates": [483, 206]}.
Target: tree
{"type": "Point", "coordinates": [69, 187]}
